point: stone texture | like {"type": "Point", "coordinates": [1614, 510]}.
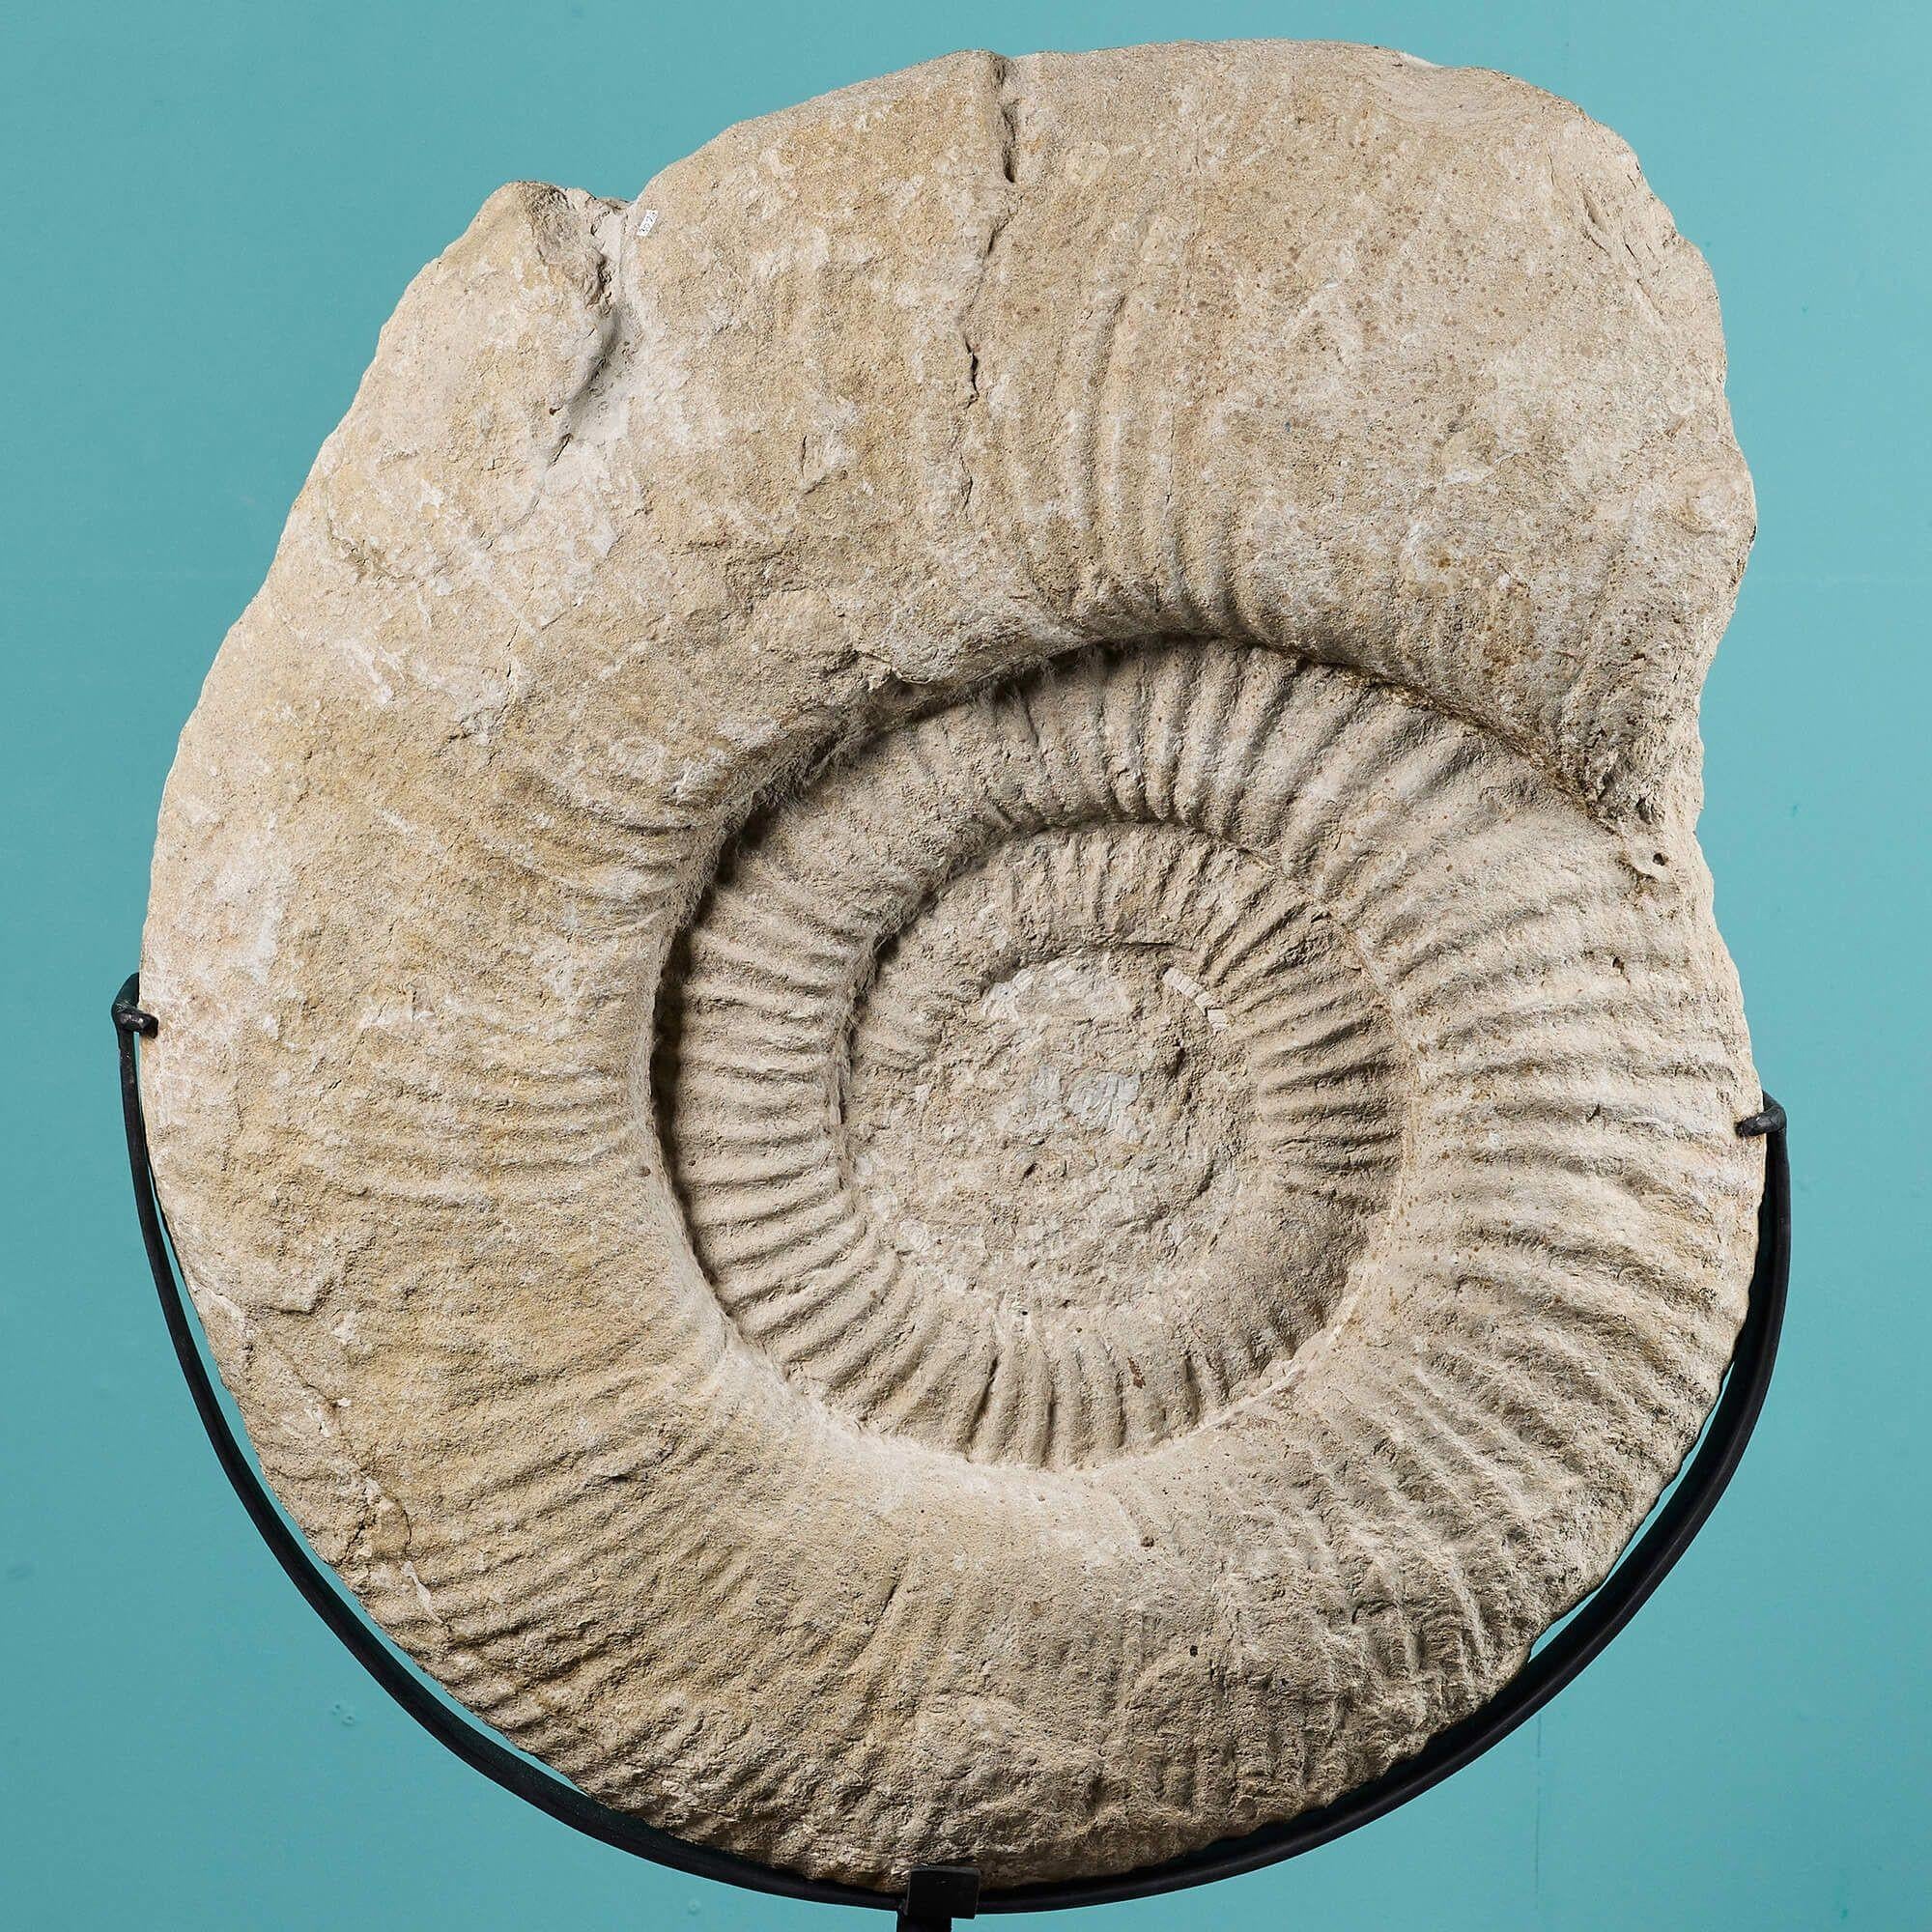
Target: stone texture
{"type": "Point", "coordinates": [941, 1051]}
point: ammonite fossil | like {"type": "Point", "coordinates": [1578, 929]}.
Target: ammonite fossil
{"type": "Point", "coordinates": [941, 1049]}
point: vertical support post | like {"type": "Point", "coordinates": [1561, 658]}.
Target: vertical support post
{"type": "Point", "coordinates": [935, 1896]}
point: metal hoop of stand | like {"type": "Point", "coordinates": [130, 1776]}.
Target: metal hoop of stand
{"type": "Point", "coordinates": [934, 1896]}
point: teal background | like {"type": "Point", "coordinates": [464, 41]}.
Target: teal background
{"type": "Point", "coordinates": [211, 208]}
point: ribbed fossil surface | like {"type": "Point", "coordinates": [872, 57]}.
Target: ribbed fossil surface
{"type": "Point", "coordinates": [941, 1050]}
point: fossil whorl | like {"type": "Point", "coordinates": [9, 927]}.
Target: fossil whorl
{"type": "Point", "coordinates": [941, 1051]}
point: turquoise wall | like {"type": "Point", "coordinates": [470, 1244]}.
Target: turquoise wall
{"type": "Point", "coordinates": [209, 209]}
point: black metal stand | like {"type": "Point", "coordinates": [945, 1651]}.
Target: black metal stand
{"type": "Point", "coordinates": [934, 1896]}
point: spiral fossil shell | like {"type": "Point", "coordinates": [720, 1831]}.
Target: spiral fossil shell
{"type": "Point", "coordinates": [939, 1048]}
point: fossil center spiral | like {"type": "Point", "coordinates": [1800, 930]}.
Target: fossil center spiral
{"type": "Point", "coordinates": [1019, 1099]}
{"type": "Point", "coordinates": [1079, 1127]}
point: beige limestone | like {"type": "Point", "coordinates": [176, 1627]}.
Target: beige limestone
{"type": "Point", "coordinates": [940, 1045]}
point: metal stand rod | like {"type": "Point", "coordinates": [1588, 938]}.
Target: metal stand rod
{"type": "Point", "coordinates": [934, 1896]}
